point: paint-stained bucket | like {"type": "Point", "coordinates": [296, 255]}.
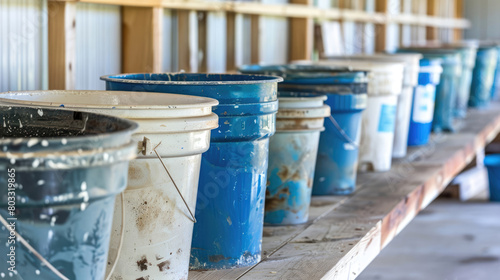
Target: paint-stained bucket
{"type": "Point", "coordinates": [158, 225]}
{"type": "Point", "coordinates": [231, 193]}
{"type": "Point", "coordinates": [492, 163]}
{"type": "Point", "coordinates": [337, 161]}
{"type": "Point", "coordinates": [292, 157]}
{"type": "Point", "coordinates": [424, 97]}
{"type": "Point", "coordinates": [385, 83]}
{"type": "Point", "coordinates": [60, 173]}
{"type": "Point", "coordinates": [483, 76]}
{"type": "Point", "coordinates": [448, 88]}
{"type": "Point", "coordinates": [496, 82]}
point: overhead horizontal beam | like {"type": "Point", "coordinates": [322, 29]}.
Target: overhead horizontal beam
{"type": "Point", "coordinates": [293, 11]}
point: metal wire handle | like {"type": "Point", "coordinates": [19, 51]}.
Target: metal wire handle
{"type": "Point", "coordinates": [342, 132]}
{"type": "Point", "coordinates": [175, 185]}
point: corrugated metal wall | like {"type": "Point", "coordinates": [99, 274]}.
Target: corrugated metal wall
{"type": "Point", "coordinates": [484, 18]}
{"type": "Point", "coordinates": [98, 44]}
{"type": "Point", "coordinates": [23, 45]}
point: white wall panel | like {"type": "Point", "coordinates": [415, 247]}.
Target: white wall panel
{"type": "Point", "coordinates": [98, 44]}
{"type": "Point", "coordinates": [23, 45]}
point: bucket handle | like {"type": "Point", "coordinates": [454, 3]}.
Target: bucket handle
{"type": "Point", "coordinates": [342, 132]}
{"type": "Point", "coordinates": [49, 265]}
{"type": "Point", "coordinates": [146, 142]}
{"type": "Point", "coordinates": [34, 252]}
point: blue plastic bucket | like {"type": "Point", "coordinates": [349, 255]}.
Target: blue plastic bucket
{"type": "Point", "coordinates": [448, 87]}
{"type": "Point", "coordinates": [492, 163]}
{"type": "Point", "coordinates": [483, 76]}
{"type": "Point", "coordinates": [424, 96]}
{"type": "Point", "coordinates": [337, 160]}
{"type": "Point", "coordinates": [292, 157]}
{"type": "Point", "coordinates": [60, 173]}
{"type": "Point", "coordinates": [231, 192]}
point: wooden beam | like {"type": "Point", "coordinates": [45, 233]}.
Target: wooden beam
{"type": "Point", "coordinates": [230, 42]}
{"type": "Point", "coordinates": [255, 39]}
{"type": "Point", "coordinates": [381, 29]}
{"type": "Point", "coordinates": [301, 35]}
{"type": "Point", "coordinates": [432, 10]}
{"type": "Point", "coordinates": [289, 10]}
{"type": "Point", "coordinates": [202, 41]}
{"type": "Point", "coordinates": [61, 43]}
{"type": "Point", "coordinates": [142, 38]}
{"type": "Point", "coordinates": [459, 13]}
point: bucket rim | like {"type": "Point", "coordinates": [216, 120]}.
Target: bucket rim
{"type": "Point", "coordinates": [201, 101]}
{"type": "Point", "coordinates": [131, 128]}
{"type": "Point", "coordinates": [264, 79]}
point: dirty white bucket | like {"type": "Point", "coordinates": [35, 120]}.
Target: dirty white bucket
{"type": "Point", "coordinates": [158, 226]}
{"type": "Point", "coordinates": [385, 82]}
{"type": "Point", "coordinates": [405, 100]}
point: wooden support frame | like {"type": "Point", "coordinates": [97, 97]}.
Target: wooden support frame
{"type": "Point", "coordinates": [61, 43]}
{"type": "Point", "coordinates": [230, 42]}
{"type": "Point", "coordinates": [255, 39]}
{"type": "Point", "coordinates": [142, 35]}
{"type": "Point", "coordinates": [381, 6]}
{"type": "Point", "coordinates": [432, 10]}
{"type": "Point", "coordinates": [301, 35]}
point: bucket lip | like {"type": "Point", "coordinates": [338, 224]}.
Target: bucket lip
{"type": "Point", "coordinates": [303, 71]}
{"type": "Point", "coordinates": [244, 79]}
{"type": "Point", "coordinates": [388, 57]}
{"type": "Point", "coordinates": [69, 139]}
{"type": "Point", "coordinates": [361, 65]}
{"type": "Point", "coordinates": [302, 96]}
{"type": "Point", "coordinates": [322, 111]}
{"type": "Point", "coordinates": [492, 160]}
{"type": "Point", "coordinates": [199, 102]}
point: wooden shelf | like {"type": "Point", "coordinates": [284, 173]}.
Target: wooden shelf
{"type": "Point", "coordinates": [291, 10]}
{"type": "Point", "coordinates": [345, 234]}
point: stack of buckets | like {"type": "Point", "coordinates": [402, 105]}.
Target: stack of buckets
{"type": "Point", "coordinates": [337, 158]}
{"type": "Point", "coordinates": [385, 84]}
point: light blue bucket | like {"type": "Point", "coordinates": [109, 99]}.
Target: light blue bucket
{"type": "Point", "coordinates": [292, 157]}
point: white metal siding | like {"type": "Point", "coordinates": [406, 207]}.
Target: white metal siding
{"type": "Point", "coordinates": [98, 44]}
{"type": "Point", "coordinates": [23, 44]}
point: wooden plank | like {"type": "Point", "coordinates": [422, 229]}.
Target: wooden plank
{"type": "Point", "coordinates": [301, 35]}
{"type": "Point", "coordinates": [275, 237]}
{"type": "Point", "coordinates": [381, 29]}
{"type": "Point", "coordinates": [433, 9]}
{"type": "Point", "coordinates": [459, 13]}
{"type": "Point", "coordinates": [202, 41]}
{"type": "Point", "coordinates": [230, 42]}
{"type": "Point", "coordinates": [142, 38]}
{"type": "Point", "coordinates": [255, 39]}
{"type": "Point", "coordinates": [340, 243]}
{"type": "Point", "coordinates": [61, 43]}
{"type": "Point", "coordinates": [292, 10]}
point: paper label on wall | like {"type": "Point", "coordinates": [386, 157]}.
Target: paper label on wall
{"type": "Point", "coordinates": [423, 107]}
{"type": "Point", "coordinates": [387, 118]}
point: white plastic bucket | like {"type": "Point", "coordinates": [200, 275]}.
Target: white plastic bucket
{"type": "Point", "coordinates": [385, 83]}
{"type": "Point", "coordinates": [157, 226]}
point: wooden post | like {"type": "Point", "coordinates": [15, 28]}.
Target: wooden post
{"type": "Point", "coordinates": [142, 37]}
{"type": "Point", "coordinates": [61, 43]}
{"type": "Point", "coordinates": [255, 39]}
{"type": "Point", "coordinates": [432, 10]}
{"type": "Point", "coordinates": [230, 42]}
{"type": "Point", "coordinates": [381, 6]}
{"type": "Point", "coordinates": [459, 13]}
{"type": "Point", "coordinates": [202, 41]}
{"type": "Point", "coordinates": [301, 35]}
